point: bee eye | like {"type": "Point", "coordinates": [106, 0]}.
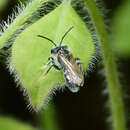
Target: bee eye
{"type": "Point", "coordinates": [52, 51]}
{"type": "Point", "coordinates": [55, 50]}
{"type": "Point", "coordinates": [64, 47]}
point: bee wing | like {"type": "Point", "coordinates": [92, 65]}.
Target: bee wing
{"type": "Point", "coordinates": [71, 70]}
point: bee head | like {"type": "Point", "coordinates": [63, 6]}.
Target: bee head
{"type": "Point", "coordinates": [55, 50]}
{"type": "Point", "coordinates": [62, 49]}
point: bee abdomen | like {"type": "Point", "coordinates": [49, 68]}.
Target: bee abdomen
{"type": "Point", "coordinates": [73, 87]}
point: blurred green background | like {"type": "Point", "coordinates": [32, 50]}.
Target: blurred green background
{"type": "Point", "coordinates": [88, 109]}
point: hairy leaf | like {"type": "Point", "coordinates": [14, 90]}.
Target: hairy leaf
{"type": "Point", "coordinates": [30, 53]}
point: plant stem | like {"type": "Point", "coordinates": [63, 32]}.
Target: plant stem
{"type": "Point", "coordinates": [48, 118]}
{"type": "Point", "coordinates": [19, 21]}
{"type": "Point", "coordinates": [115, 93]}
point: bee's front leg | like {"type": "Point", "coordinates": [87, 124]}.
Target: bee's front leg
{"type": "Point", "coordinates": [45, 73]}
{"type": "Point", "coordinates": [50, 60]}
{"type": "Point", "coordinates": [56, 66]}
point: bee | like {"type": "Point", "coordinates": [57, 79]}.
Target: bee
{"type": "Point", "coordinates": [62, 59]}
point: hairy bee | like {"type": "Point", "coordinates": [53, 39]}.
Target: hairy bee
{"type": "Point", "coordinates": [62, 59]}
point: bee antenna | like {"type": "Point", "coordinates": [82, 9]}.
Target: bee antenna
{"type": "Point", "coordinates": [65, 35]}
{"type": "Point", "coordinates": [47, 39]}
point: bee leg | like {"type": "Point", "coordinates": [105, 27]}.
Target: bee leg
{"type": "Point", "coordinates": [56, 66]}
{"type": "Point", "coordinates": [79, 63]}
{"type": "Point", "coordinates": [80, 66]}
{"type": "Point", "coordinates": [50, 59]}
{"type": "Point", "coordinates": [77, 58]}
{"type": "Point", "coordinates": [47, 71]}
{"type": "Point", "coordinates": [44, 66]}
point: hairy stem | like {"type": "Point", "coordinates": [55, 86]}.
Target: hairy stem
{"type": "Point", "coordinates": [115, 93]}
{"type": "Point", "coordinates": [19, 21]}
{"type": "Point", "coordinates": [48, 118]}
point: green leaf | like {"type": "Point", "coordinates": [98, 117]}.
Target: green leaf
{"type": "Point", "coordinates": [24, 1]}
{"type": "Point", "coordinates": [19, 21]}
{"type": "Point", "coordinates": [30, 53]}
{"type": "Point", "coordinates": [121, 30]}
{"type": "Point", "coordinates": [7, 123]}
{"type": "Point", "coordinates": [48, 118]}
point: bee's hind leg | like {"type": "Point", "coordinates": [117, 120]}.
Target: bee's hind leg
{"type": "Point", "coordinates": [79, 63]}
